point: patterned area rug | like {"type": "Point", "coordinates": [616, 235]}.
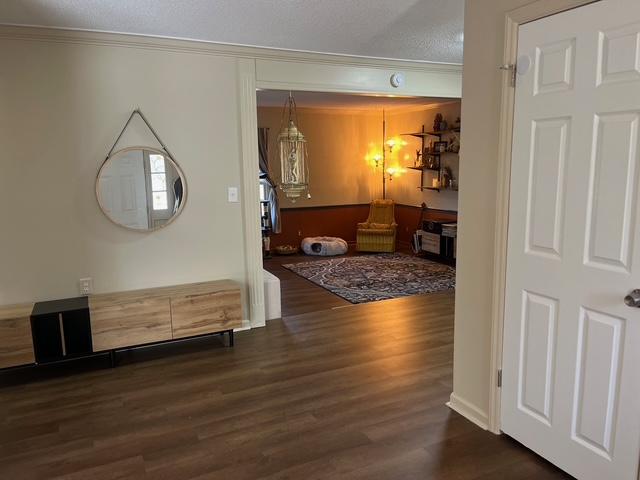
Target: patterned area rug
{"type": "Point", "coordinates": [368, 278]}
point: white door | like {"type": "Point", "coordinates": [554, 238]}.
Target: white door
{"type": "Point", "coordinates": [123, 190]}
{"type": "Point", "coordinates": [571, 363]}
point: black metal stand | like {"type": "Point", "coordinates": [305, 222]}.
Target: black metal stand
{"type": "Point", "coordinates": [112, 353]}
{"type": "Point", "coordinates": [113, 360]}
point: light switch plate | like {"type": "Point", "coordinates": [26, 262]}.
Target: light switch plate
{"type": "Point", "coordinates": [232, 194]}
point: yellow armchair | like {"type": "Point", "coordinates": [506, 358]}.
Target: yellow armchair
{"type": "Point", "coordinates": [378, 232]}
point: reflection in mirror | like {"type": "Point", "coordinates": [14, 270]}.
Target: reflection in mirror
{"type": "Point", "coordinates": [140, 188]}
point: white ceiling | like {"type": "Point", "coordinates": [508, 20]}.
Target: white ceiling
{"type": "Point", "coordinates": [403, 29]}
{"type": "Point", "coordinates": [340, 101]}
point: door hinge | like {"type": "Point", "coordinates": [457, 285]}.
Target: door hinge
{"type": "Point", "coordinates": [513, 71]}
{"type": "Point", "coordinates": [500, 378]}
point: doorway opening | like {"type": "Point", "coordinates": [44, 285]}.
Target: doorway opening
{"type": "Point", "coordinates": [379, 219]}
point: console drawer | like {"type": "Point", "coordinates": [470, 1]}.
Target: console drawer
{"type": "Point", "coordinates": [197, 314]}
{"type": "Point", "coordinates": [16, 346]}
{"type": "Point", "coordinates": [125, 324]}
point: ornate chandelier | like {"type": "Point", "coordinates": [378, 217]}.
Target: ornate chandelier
{"type": "Point", "coordinates": [293, 154]}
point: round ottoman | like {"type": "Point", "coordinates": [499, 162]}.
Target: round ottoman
{"type": "Point", "coordinates": [324, 246]}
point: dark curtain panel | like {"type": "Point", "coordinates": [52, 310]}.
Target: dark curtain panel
{"type": "Point", "coordinates": [271, 191]}
{"type": "Point", "coordinates": [263, 148]}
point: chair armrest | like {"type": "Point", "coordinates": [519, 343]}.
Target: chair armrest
{"type": "Point", "coordinates": [383, 226]}
{"type": "Point", "coordinates": [363, 225]}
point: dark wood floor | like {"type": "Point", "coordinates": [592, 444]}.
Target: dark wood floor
{"type": "Point", "coordinates": [355, 392]}
{"type": "Point", "coordinates": [298, 294]}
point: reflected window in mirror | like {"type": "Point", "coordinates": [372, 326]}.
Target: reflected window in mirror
{"type": "Point", "coordinates": [158, 182]}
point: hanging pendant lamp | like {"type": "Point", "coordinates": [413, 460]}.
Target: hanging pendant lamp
{"type": "Point", "coordinates": [293, 154]}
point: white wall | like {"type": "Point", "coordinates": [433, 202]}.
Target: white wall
{"type": "Point", "coordinates": [65, 96]}
{"type": "Point", "coordinates": [62, 108]}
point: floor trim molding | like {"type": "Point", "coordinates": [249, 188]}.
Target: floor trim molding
{"type": "Point", "coordinates": [468, 411]}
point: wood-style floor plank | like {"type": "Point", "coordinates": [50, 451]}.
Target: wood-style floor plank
{"type": "Point", "coordinates": [299, 295]}
{"type": "Point", "coordinates": [355, 392]}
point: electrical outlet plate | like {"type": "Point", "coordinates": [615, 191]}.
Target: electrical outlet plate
{"type": "Point", "coordinates": [85, 286]}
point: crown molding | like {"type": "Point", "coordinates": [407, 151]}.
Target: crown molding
{"type": "Point", "coordinates": [202, 47]}
{"type": "Point", "coordinates": [371, 111]}
{"type": "Point", "coordinates": [421, 108]}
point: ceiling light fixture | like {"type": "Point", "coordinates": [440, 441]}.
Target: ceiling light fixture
{"type": "Point", "coordinates": [294, 166]}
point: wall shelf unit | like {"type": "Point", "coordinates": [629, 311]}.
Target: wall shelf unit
{"type": "Point", "coordinates": [423, 135]}
{"type": "Point", "coordinates": [435, 169]}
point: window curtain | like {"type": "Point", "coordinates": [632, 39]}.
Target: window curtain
{"type": "Point", "coordinates": [271, 191]}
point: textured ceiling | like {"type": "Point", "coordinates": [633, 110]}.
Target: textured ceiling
{"type": "Point", "coordinates": [340, 101]}
{"type": "Point", "coordinates": [403, 29]}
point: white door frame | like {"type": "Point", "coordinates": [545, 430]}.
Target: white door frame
{"type": "Point", "coordinates": [320, 73]}
{"type": "Point", "coordinates": [513, 20]}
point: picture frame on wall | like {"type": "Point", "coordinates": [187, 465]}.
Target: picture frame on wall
{"type": "Point", "coordinates": [431, 161]}
{"type": "Point", "coordinates": [440, 147]}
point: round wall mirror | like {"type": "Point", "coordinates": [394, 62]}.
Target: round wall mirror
{"type": "Point", "coordinates": [141, 188]}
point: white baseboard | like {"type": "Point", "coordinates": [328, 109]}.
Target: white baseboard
{"type": "Point", "coordinates": [246, 325]}
{"type": "Point", "coordinates": [468, 411]}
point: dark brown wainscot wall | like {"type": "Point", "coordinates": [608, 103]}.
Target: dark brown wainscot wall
{"type": "Point", "coordinates": [341, 221]}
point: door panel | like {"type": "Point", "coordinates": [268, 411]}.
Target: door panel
{"type": "Point", "coordinates": [554, 66]}
{"type": "Point", "coordinates": [537, 352]}
{"type": "Point", "coordinates": [619, 55]}
{"type": "Point", "coordinates": [546, 186]}
{"type": "Point", "coordinates": [571, 358]}
{"type": "Point", "coordinates": [600, 340]}
{"type": "Point", "coordinates": [612, 190]}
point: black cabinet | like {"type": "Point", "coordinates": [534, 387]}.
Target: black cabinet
{"type": "Point", "coordinates": [61, 329]}
{"type": "Point", "coordinates": [47, 338]}
{"type": "Point", "coordinates": [438, 241]}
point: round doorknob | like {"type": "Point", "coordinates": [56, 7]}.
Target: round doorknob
{"type": "Point", "coordinates": [633, 299]}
